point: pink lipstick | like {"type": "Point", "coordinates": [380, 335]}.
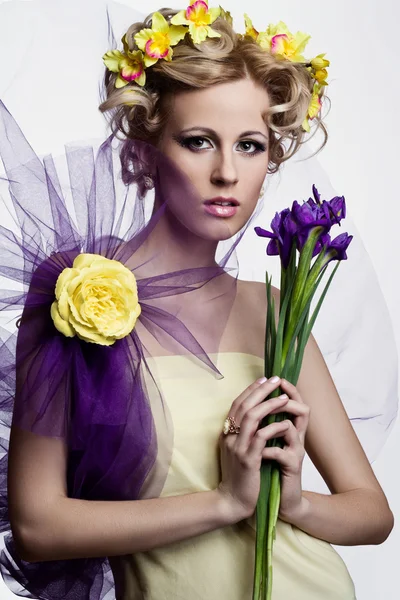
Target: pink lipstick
{"type": "Point", "coordinates": [221, 207]}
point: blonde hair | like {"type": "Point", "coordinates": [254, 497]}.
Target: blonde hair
{"type": "Point", "coordinates": [141, 112]}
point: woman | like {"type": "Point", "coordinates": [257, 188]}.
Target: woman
{"type": "Point", "coordinates": [196, 540]}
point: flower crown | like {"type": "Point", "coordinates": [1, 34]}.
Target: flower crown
{"type": "Point", "coordinates": [156, 43]}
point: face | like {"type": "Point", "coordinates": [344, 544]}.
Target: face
{"type": "Point", "coordinates": [218, 138]}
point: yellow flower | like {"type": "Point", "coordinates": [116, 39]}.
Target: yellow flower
{"type": "Point", "coordinates": [313, 108]}
{"type": "Point", "coordinates": [199, 18]}
{"type": "Point", "coordinates": [129, 65]}
{"type": "Point", "coordinates": [250, 29]}
{"type": "Point", "coordinates": [156, 42]}
{"type": "Point", "coordinates": [278, 40]}
{"type": "Point", "coordinates": [96, 300]}
{"type": "Point", "coordinates": [321, 76]}
{"type": "Point", "coordinates": [319, 62]}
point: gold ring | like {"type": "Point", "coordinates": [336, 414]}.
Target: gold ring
{"type": "Point", "coordinates": [230, 426]}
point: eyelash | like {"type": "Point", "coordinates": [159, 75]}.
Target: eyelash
{"type": "Point", "coordinates": [186, 143]}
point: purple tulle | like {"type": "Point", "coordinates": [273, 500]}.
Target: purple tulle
{"type": "Point", "coordinates": [93, 397]}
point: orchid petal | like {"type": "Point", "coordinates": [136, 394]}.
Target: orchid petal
{"type": "Point", "coordinates": [212, 33]}
{"type": "Point", "coordinates": [111, 60]}
{"type": "Point", "coordinates": [278, 45]}
{"type": "Point", "coordinates": [159, 23]}
{"type": "Point", "coordinates": [176, 34]}
{"type": "Point", "coordinates": [301, 40]}
{"type": "Point", "coordinates": [149, 61]}
{"type": "Point", "coordinates": [120, 82]}
{"type": "Point", "coordinates": [142, 37]}
{"type": "Point", "coordinates": [198, 33]}
{"type": "Point", "coordinates": [157, 46]}
{"type": "Point", "coordinates": [180, 18]}
{"type": "Point", "coordinates": [197, 12]}
{"type": "Point", "coordinates": [141, 80]}
{"type": "Point", "coordinates": [214, 14]}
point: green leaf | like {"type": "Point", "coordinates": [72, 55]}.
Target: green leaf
{"type": "Point", "coordinates": [313, 318]}
{"type": "Point", "coordinates": [270, 333]}
{"type": "Point", "coordinates": [279, 335]}
{"type": "Point", "coordinates": [304, 265]}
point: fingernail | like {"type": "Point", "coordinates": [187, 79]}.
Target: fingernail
{"type": "Point", "coordinates": [274, 379]}
{"type": "Point", "coordinates": [261, 380]}
{"type": "Point", "coordinates": [283, 396]}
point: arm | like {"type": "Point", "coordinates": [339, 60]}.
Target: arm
{"type": "Point", "coordinates": [47, 525]}
{"type": "Point", "coordinates": [357, 512]}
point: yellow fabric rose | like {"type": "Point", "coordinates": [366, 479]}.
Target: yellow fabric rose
{"type": "Point", "coordinates": [96, 300]}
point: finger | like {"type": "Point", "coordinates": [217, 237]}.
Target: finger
{"type": "Point", "coordinates": [246, 392]}
{"type": "Point", "coordinates": [286, 430]}
{"type": "Point", "coordinates": [256, 396]}
{"type": "Point", "coordinates": [292, 437]}
{"type": "Point", "coordinates": [291, 390]}
{"type": "Point", "coordinates": [264, 434]}
{"type": "Point", "coordinates": [251, 420]}
{"type": "Point", "coordinates": [301, 412]}
{"type": "Point", "coordinates": [291, 460]}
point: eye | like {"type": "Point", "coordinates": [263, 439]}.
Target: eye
{"type": "Point", "coordinates": [257, 147]}
{"type": "Point", "coordinates": [194, 143]}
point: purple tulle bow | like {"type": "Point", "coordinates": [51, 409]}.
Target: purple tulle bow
{"type": "Point", "coordinates": [93, 397]}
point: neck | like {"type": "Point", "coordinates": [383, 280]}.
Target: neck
{"type": "Point", "coordinates": [171, 247]}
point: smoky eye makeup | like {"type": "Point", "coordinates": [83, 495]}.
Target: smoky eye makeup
{"type": "Point", "coordinates": [191, 142]}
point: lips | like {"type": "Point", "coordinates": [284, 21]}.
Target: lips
{"type": "Point", "coordinates": [221, 207]}
{"type": "Point", "coordinates": [221, 201]}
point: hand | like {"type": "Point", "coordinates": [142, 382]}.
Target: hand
{"type": "Point", "coordinates": [290, 458]}
{"type": "Point", "coordinates": [242, 453]}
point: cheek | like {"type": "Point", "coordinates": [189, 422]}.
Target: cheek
{"type": "Point", "coordinates": [253, 177]}
{"type": "Point", "coordinates": [193, 167]}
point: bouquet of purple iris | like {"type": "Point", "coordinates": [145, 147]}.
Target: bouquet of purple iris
{"type": "Point", "coordinates": [298, 235]}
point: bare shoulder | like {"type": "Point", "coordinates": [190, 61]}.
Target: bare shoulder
{"type": "Point", "coordinates": [248, 317]}
{"type": "Point", "coordinates": [253, 296]}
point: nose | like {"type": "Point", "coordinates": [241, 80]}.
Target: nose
{"type": "Point", "coordinates": [224, 172]}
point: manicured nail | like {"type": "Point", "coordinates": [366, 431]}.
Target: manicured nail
{"type": "Point", "coordinates": [274, 379]}
{"type": "Point", "coordinates": [261, 380]}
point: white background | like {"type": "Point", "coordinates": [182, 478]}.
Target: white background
{"type": "Point", "coordinates": [361, 40]}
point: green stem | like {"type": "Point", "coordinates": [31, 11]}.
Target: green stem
{"type": "Point", "coordinates": [274, 501]}
{"type": "Point", "coordinates": [261, 524]}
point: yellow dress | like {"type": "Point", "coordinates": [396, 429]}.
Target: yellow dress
{"type": "Point", "coordinates": [219, 565]}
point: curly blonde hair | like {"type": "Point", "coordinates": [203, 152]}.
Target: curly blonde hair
{"type": "Point", "coordinates": [141, 112]}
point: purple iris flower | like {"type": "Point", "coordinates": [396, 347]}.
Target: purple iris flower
{"type": "Point", "coordinates": [334, 209]}
{"type": "Point", "coordinates": [308, 216]}
{"type": "Point", "coordinates": [284, 230]}
{"type": "Point", "coordinates": [297, 223]}
{"type": "Point", "coordinates": [336, 250]}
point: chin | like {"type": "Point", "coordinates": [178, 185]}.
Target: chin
{"type": "Point", "coordinates": [218, 229]}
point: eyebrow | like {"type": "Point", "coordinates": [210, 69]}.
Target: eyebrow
{"type": "Point", "coordinates": [212, 132]}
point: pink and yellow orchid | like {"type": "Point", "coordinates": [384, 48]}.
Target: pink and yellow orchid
{"type": "Point", "coordinates": [278, 40]}
{"type": "Point", "coordinates": [251, 31]}
{"type": "Point", "coordinates": [156, 42]}
{"type": "Point", "coordinates": [313, 108]}
{"type": "Point", "coordinates": [199, 18]}
{"type": "Point", "coordinates": [128, 65]}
